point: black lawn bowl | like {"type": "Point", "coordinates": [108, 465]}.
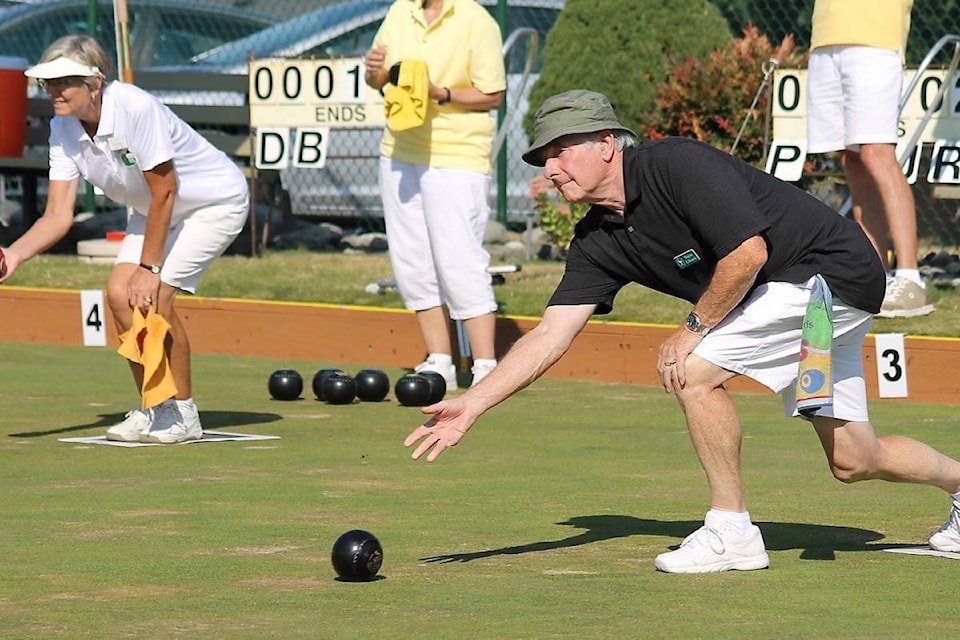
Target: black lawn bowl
{"type": "Point", "coordinates": [438, 386]}
{"type": "Point", "coordinates": [373, 385]}
{"type": "Point", "coordinates": [357, 556]}
{"type": "Point", "coordinates": [285, 384]}
{"type": "Point", "coordinates": [339, 389]}
{"type": "Point", "coordinates": [413, 390]}
{"type": "Point", "coordinates": [320, 377]}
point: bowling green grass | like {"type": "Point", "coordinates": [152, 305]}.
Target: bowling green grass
{"type": "Point", "coordinates": [543, 523]}
{"type": "Point", "coordinates": [338, 278]}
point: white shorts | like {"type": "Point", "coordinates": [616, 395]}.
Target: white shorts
{"type": "Point", "coordinates": [761, 340]}
{"type": "Point", "coordinates": [192, 244]}
{"type": "Point", "coordinates": [435, 221]}
{"type": "Point", "coordinates": [853, 97]}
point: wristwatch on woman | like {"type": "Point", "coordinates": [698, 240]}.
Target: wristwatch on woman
{"type": "Point", "coordinates": [152, 268]}
{"type": "Point", "coordinates": [446, 98]}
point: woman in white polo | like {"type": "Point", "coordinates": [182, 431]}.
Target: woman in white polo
{"type": "Point", "coordinates": [189, 202]}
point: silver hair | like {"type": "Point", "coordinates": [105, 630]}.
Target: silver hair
{"type": "Point", "coordinates": [82, 49]}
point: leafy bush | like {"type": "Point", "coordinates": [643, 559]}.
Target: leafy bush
{"type": "Point", "coordinates": [624, 49]}
{"type": "Point", "coordinates": [557, 216]}
{"type": "Point", "coordinates": [710, 98]}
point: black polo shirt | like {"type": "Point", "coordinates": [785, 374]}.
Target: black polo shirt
{"type": "Point", "coordinates": [687, 206]}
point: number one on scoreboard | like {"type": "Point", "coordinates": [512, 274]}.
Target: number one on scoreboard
{"type": "Point", "coordinates": [93, 318]}
{"type": "Point", "coordinates": [891, 365]}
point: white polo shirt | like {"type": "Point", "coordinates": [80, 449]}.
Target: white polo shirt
{"type": "Point", "coordinates": [137, 132]}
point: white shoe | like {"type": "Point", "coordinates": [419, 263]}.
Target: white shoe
{"type": "Point", "coordinates": [173, 423]}
{"type": "Point", "coordinates": [716, 547]}
{"type": "Point", "coordinates": [449, 372]}
{"type": "Point", "coordinates": [134, 423]}
{"type": "Point", "coordinates": [947, 538]}
{"type": "Point", "coordinates": [904, 299]}
{"type": "Point", "coordinates": [480, 371]}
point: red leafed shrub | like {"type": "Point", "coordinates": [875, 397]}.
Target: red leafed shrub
{"type": "Point", "coordinates": [710, 99]}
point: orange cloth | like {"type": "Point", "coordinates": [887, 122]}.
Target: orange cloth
{"type": "Point", "coordinates": [406, 103]}
{"type": "Point", "coordinates": [144, 344]}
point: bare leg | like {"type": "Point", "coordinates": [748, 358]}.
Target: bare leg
{"type": "Point", "coordinates": [714, 426]}
{"type": "Point", "coordinates": [435, 328]}
{"type": "Point", "coordinates": [883, 201]}
{"type": "Point", "coordinates": [481, 332]}
{"type": "Point", "coordinates": [855, 453]}
{"type": "Point", "coordinates": [122, 313]}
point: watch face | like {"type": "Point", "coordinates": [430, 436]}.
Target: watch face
{"type": "Point", "coordinates": [693, 323]}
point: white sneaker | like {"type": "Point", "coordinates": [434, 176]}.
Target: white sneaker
{"type": "Point", "coordinates": [173, 423]}
{"type": "Point", "coordinates": [449, 372]}
{"type": "Point", "coordinates": [904, 299]}
{"type": "Point", "coordinates": [716, 547]}
{"type": "Point", "coordinates": [134, 423]}
{"type": "Point", "coordinates": [947, 538]}
{"type": "Point", "coordinates": [480, 371]}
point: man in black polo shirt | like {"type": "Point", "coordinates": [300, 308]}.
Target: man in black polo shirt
{"type": "Point", "coordinates": [783, 291]}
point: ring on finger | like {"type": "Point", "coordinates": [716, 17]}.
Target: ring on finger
{"type": "Point", "coordinates": [149, 300]}
{"type": "Point", "coordinates": [669, 363]}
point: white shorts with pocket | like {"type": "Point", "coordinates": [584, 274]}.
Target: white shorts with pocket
{"type": "Point", "coordinates": [853, 97]}
{"type": "Point", "coordinates": [761, 340]}
{"type": "Point", "coordinates": [193, 243]}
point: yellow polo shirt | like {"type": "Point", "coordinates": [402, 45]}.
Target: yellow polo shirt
{"type": "Point", "coordinates": [874, 23]}
{"type": "Point", "coordinates": [462, 48]}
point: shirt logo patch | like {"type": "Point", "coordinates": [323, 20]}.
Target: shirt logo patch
{"type": "Point", "coordinates": [686, 259]}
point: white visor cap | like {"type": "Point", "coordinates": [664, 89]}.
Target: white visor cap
{"type": "Point", "coordinates": [61, 68]}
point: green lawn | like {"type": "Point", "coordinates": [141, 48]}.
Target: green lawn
{"type": "Point", "coordinates": [543, 523]}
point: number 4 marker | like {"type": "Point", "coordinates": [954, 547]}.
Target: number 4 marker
{"type": "Point", "coordinates": [92, 317]}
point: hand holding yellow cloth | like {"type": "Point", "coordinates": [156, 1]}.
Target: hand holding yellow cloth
{"type": "Point", "coordinates": [405, 103]}
{"type": "Point", "coordinates": [145, 344]}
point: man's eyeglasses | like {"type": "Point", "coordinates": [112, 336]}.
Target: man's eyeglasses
{"type": "Point", "coordinates": [59, 84]}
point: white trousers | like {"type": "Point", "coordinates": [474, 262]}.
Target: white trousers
{"type": "Point", "coordinates": [435, 221]}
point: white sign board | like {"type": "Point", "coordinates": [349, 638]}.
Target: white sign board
{"type": "Point", "coordinates": [93, 318]}
{"type": "Point", "coordinates": [320, 92]}
{"type": "Point", "coordinates": [941, 134]}
{"type": "Point", "coordinates": [891, 365]}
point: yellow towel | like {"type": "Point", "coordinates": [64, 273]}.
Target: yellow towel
{"type": "Point", "coordinates": [144, 343]}
{"type": "Point", "coordinates": [405, 103]}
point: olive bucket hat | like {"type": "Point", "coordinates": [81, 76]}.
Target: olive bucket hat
{"type": "Point", "coordinates": [570, 112]}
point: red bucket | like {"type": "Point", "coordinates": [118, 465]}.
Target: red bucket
{"type": "Point", "coordinates": [13, 106]}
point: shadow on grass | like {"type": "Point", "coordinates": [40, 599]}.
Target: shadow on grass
{"type": "Point", "coordinates": [212, 420]}
{"type": "Point", "coordinates": [817, 542]}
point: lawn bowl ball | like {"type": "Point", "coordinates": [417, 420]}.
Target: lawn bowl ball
{"type": "Point", "coordinates": [285, 384]}
{"type": "Point", "coordinates": [339, 389]}
{"type": "Point", "coordinates": [357, 556]}
{"type": "Point", "coordinates": [438, 386]}
{"type": "Point", "coordinates": [373, 385]}
{"type": "Point", "coordinates": [412, 390]}
{"type": "Point", "coordinates": [320, 377]}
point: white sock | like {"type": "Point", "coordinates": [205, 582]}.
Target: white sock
{"type": "Point", "coordinates": [910, 274]}
{"type": "Point", "coordinates": [187, 404]}
{"type": "Point", "coordinates": [956, 499]}
{"type": "Point", "coordinates": [485, 362]}
{"type": "Point", "coordinates": [737, 520]}
{"type": "Point", "coordinates": [441, 359]}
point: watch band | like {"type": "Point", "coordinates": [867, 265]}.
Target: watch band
{"type": "Point", "coordinates": [695, 325]}
{"type": "Point", "coordinates": [152, 268]}
{"type": "Point", "coordinates": [446, 98]}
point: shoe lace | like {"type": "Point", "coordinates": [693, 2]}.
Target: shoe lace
{"type": "Point", "coordinates": [895, 287]}
{"type": "Point", "coordinates": [705, 538]}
